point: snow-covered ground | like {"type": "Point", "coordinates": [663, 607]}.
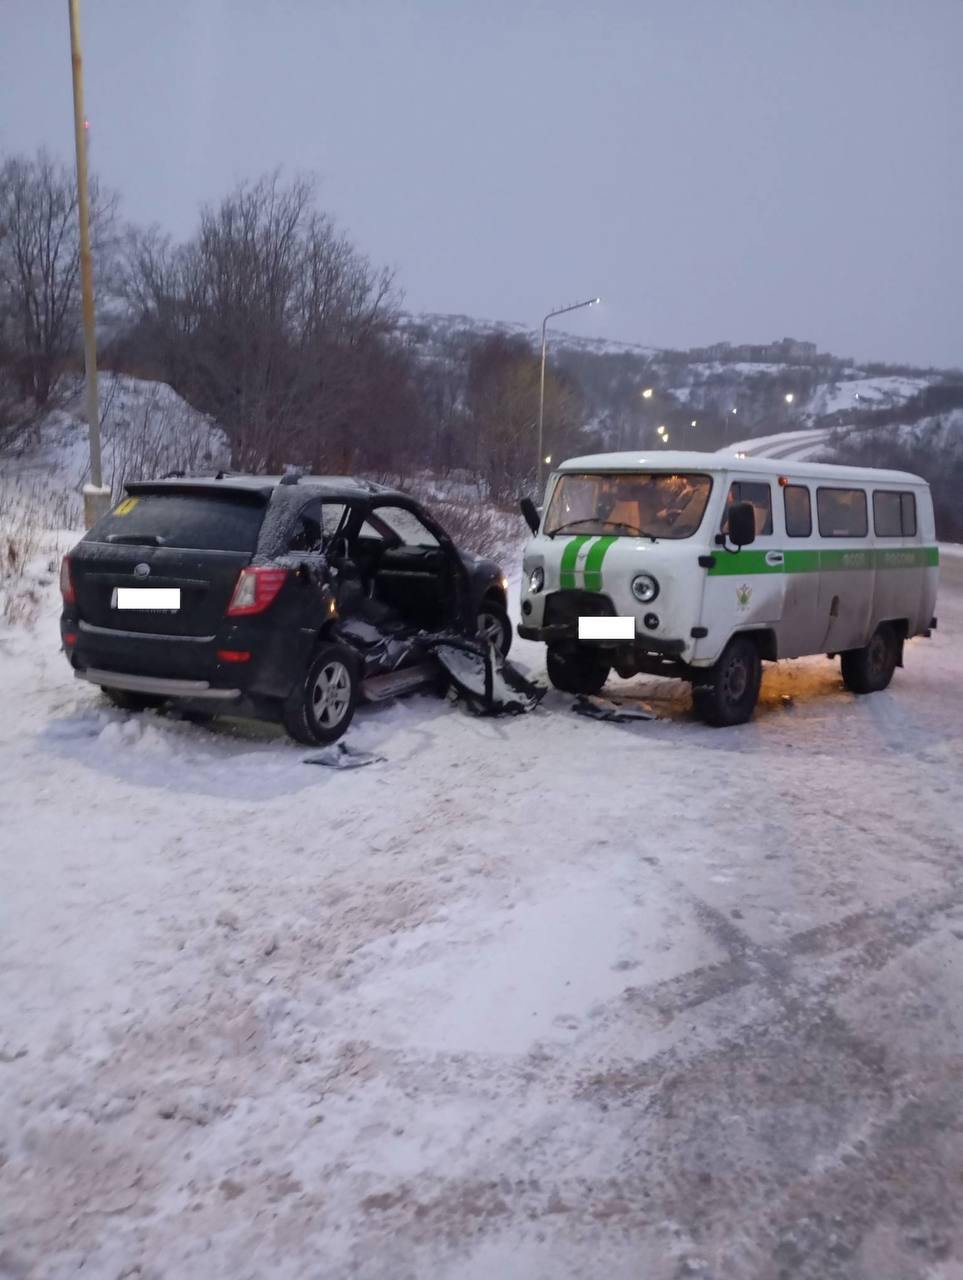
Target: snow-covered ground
{"type": "Point", "coordinates": [860, 393]}
{"type": "Point", "coordinates": [531, 998]}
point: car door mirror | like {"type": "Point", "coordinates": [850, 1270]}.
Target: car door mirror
{"type": "Point", "coordinates": [530, 512]}
{"type": "Point", "coordinates": [742, 524]}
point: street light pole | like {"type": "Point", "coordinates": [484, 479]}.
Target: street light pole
{"type": "Point", "coordinates": [576, 306]}
{"type": "Point", "coordinates": [95, 499]}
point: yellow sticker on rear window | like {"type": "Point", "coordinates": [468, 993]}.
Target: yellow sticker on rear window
{"type": "Point", "coordinates": [126, 507]}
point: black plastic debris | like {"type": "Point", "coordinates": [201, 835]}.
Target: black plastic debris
{"type": "Point", "coordinates": [483, 679]}
{"type": "Point", "coordinates": [340, 756]}
{"type": "Point", "coordinates": [612, 709]}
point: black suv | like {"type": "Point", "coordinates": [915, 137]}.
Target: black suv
{"type": "Point", "coordinates": [277, 598]}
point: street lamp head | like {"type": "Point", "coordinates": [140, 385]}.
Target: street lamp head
{"type": "Point", "coordinates": [692, 423]}
{"type": "Point", "coordinates": [789, 397]}
{"type": "Point", "coordinates": [548, 458]}
{"type": "Point", "coordinates": [647, 394]}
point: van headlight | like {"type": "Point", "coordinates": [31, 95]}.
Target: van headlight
{"type": "Point", "coordinates": [644, 587]}
{"type": "Point", "coordinates": [536, 579]}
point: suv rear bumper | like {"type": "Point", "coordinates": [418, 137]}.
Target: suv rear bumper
{"type": "Point", "coordinates": [164, 688]}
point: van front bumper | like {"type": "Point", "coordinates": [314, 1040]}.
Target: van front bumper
{"type": "Point", "coordinates": [566, 632]}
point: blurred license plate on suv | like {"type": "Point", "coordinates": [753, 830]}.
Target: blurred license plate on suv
{"type": "Point", "coordinates": [159, 599]}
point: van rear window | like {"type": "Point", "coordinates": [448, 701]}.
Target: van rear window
{"type": "Point", "coordinates": [894, 514]}
{"type": "Point", "coordinates": [842, 513]}
{"type": "Point", "coordinates": [197, 521]}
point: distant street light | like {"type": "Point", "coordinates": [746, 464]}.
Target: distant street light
{"type": "Point", "coordinates": [692, 423]}
{"type": "Point", "coordinates": [647, 394]}
{"type": "Point", "coordinates": [665, 438]}
{"type": "Point", "coordinates": [661, 430]}
{"type": "Point", "coordinates": [561, 311]}
{"type": "Point", "coordinates": [789, 397]}
{"type": "Point", "coordinates": [548, 459]}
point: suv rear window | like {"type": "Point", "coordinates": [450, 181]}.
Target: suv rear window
{"type": "Point", "coordinates": [198, 521]}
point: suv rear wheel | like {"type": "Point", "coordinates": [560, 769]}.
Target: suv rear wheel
{"type": "Point", "coordinates": [870, 669]}
{"type": "Point", "coordinates": [321, 706]}
{"type": "Point", "coordinates": [728, 692]}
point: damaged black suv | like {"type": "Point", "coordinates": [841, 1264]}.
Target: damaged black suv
{"type": "Point", "coordinates": [284, 599]}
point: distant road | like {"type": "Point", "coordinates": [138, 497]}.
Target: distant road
{"type": "Point", "coordinates": [797, 445]}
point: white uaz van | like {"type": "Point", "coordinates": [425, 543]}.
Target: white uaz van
{"type": "Point", "coordinates": [722, 563]}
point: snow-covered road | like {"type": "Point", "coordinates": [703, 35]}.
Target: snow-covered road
{"type": "Point", "coordinates": [532, 998]}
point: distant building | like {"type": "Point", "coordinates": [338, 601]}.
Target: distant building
{"type": "Point", "coordinates": [785, 351]}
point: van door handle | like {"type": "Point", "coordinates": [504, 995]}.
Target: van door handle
{"type": "Point", "coordinates": [774, 557]}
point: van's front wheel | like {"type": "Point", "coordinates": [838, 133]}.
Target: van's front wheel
{"type": "Point", "coordinates": [870, 669]}
{"type": "Point", "coordinates": [576, 669]}
{"type": "Point", "coordinates": [727, 693]}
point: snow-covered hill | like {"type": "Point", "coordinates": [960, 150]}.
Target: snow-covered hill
{"type": "Point", "coordinates": [147, 429]}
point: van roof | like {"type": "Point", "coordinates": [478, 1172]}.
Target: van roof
{"type": "Point", "coordinates": [691, 460]}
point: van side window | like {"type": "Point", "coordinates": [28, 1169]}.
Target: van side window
{"type": "Point", "coordinates": [894, 514]}
{"type": "Point", "coordinates": [759, 494]}
{"type": "Point", "coordinates": [799, 511]}
{"type": "Point", "coordinates": [842, 513]}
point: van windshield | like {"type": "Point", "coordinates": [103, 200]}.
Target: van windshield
{"type": "Point", "coordinates": [657, 504]}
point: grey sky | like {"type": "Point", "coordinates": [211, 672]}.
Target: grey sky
{"type": "Point", "coordinates": [739, 169]}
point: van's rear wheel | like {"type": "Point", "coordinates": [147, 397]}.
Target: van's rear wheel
{"type": "Point", "coordinates": [321, 706]}
{"type": "Point", "coordinates": [576, 669]}
{"type": "Point", "coordinates": [728, 692]}
{"type": "Point", "coordinates": [129, 701]}
{"type": "Point", "coordinates": [870, 669]}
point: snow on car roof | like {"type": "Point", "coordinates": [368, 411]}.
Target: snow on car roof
{"type": "Point", "coordinates": [335, 486]}
{"type": "Point", "coordinates": [690, 460]}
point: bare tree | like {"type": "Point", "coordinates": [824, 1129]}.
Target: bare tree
{"type": "Point", "coordinates": [40, 267]}
{"type": "Point", "coordinates": [268, 320]}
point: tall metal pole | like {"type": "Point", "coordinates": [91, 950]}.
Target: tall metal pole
{"type": "Point", "coordinates": [97, 502]}
{"type": "Point", "coordinates": [541, 419]}
{"type": "Point", "coordinates": [576, 306]}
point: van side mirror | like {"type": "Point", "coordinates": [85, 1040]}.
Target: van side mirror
{"type": "Point", "coordinates": [742, 524]}
{"type": "Point", "coordinates": [530, 512]}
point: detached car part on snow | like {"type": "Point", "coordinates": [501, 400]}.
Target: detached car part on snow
{"type": "Point", "coordinates": [292, 599]}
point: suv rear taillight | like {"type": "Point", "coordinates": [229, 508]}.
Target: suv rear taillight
{"type": "Point", "coordinates": [255, 590]}
{"type": "Point", "coordinates": [67, 582]}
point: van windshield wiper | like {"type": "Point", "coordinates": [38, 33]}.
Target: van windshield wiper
{"type": "Point", "coordinates": [612, 524]}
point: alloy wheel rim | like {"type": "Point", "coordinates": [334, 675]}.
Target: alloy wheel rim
{"type": "Point", "coordinates": [331, 694]}
{"type": "Point", "coordinates": [490, 628]}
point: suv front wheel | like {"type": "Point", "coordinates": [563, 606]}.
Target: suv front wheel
{"type": "Point", "coordinates": [321, 706]}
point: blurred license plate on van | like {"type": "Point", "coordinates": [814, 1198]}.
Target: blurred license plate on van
{"type": "Point", "coordinates": [160, 599]}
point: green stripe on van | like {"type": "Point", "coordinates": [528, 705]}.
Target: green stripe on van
{"type": "Point", "coordinates": [566, 569]}
{"type": "Point", "coordinates": [743, 563]}
{"type": "Point", "coordinates": [593, 564]}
